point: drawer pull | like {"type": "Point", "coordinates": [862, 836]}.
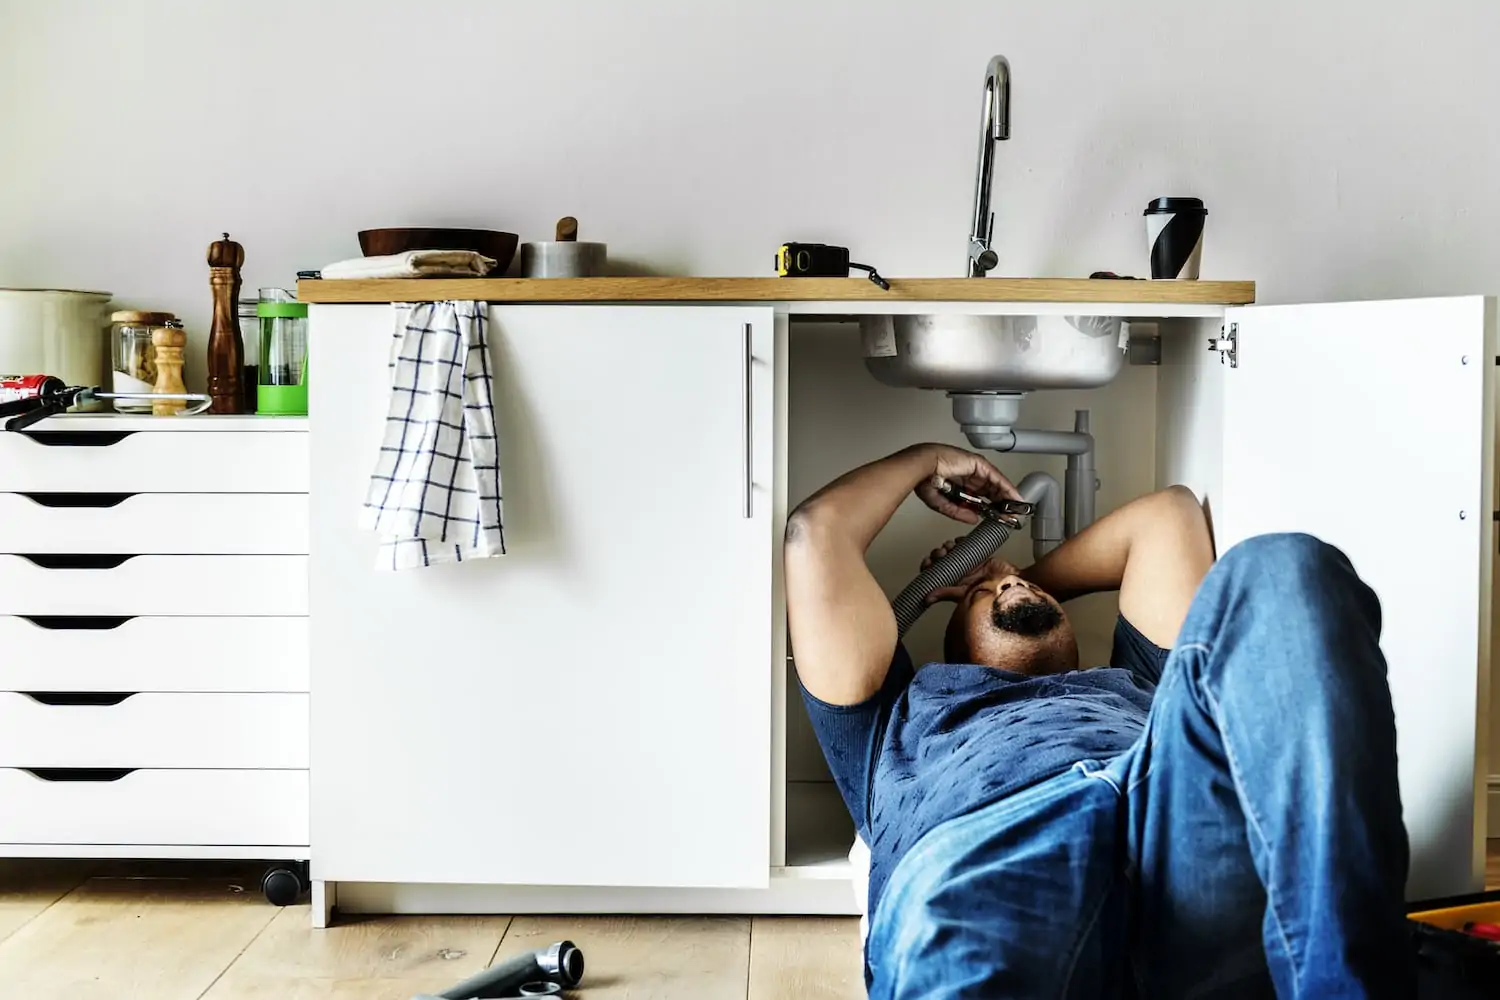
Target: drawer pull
{"type": "Point", "coordinates": [54, 561]}
{"type": "Point", "coordinates": [77, 622]}
{"type": "Point", "coordinates": [78, 499]}
{"type": "Point", "coordinates": [77, 439]}
{"type": "Point", "coordinates": [97, 698]}
{"type": "Point", "coordinates": [78, 773]}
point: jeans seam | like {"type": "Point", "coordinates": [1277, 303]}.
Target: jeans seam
{"type": "Point", "coordinates": [1258, 829]}
{"type": "Point", "coordinates": [1149, 735]}
{"type": "Point", "coordinates": [1088, 929]}
{"type": "Point", "coordinates": [1099, 775]}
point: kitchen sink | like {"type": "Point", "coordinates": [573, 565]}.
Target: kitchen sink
{"type": "Point", "coordinates": [965, 353]}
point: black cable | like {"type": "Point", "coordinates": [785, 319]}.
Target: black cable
{"type": "Point", "coordinates": [874, 275]}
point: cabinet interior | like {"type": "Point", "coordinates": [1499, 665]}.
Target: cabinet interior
{"type": "Point", "coordinates": [838, 416]}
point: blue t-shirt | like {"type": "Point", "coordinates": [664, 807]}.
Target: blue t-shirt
{"type": "Point", "coordinates": [943, 741]}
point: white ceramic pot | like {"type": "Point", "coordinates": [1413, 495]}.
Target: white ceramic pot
{"type": "Point", "coordinates": [54, 332]}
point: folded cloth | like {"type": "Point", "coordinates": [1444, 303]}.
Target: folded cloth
{"type": "Point", "coordinates": [435, 494]}
{"type": "Point", "coordinates": [415, 264]}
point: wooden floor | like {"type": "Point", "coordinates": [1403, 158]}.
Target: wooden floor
{"type": "Point", "coordinates": [81, 931]}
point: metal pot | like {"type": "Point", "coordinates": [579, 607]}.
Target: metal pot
{"type": "Point", "coordinates": [50, 331]}
{"type": "Point", "coordinates": [563, 257]}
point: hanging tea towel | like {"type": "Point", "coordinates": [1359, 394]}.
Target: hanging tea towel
{"type": "Point", "coordinates": [435, 494]}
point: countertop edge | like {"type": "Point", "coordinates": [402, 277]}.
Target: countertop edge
{"type": "Point", "coordinates": [686, 289]}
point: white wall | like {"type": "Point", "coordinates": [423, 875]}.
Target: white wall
{"type": "Point", "coordinates": [1346, 150]}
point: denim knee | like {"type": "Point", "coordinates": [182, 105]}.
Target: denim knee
{"type": "Point", "coordinates": [1291, 556]}
{"type": "Point", "coordinates": [1294, 583]}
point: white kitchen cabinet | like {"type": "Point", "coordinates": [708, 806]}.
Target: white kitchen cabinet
{"type": "Point", "coordinates": [153, 639]}
{"type": "Point", "coordinates": [605, 718]}
{"type": "Point", "coordinates": [593, 708]}
{"type": "Point", "coordinates": [1371, 426]}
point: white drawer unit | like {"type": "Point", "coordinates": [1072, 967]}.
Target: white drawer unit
{"type": "Point", "coordinates": [152, 729]}
{"type": "Point", "coordinates": [163, 523]}
{"type": "Point", "coordinates": [153, 585]}
{"type": "Point", "coordinates": [48, 458]}
{"type": "Point", "coordinates": [119, 653]}
{"type": "Point", "coordinates": [154, 638]}
{"type": "Point", "coordinates": [153, 807]}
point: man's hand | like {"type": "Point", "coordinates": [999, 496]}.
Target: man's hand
{"type": "Point", "coordinates": [842, 626]}
{"type": "Point", "coordinates": [972, 472]}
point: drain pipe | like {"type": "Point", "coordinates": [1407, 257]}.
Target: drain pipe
{"type": "Point", "coordinates": [987, 420]}
{"type": "Point", "coordinates": [1041, 491]}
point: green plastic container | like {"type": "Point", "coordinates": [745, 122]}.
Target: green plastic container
{"type": "Point", "coordinates": [282, 386]}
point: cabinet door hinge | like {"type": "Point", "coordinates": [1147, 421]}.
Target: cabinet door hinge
{"type": "Point", "coordinates": [1227, 344]}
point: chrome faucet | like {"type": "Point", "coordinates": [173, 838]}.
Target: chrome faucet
{"type": "Point", "coordinates": [995, 126]}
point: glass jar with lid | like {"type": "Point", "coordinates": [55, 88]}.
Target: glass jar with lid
{"type": "Point", "coordinates": [132, 357]}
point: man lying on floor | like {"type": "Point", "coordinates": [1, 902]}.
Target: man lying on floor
{"type": "Point", "coordinates": [1214, 813]}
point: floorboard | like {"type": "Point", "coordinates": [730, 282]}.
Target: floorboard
{"type": "Point", "coordinates": [146, 939]}
{"type": "Point", "coordinates": [28, 887]}
{"type": "Point", "coordinates": [64, 936]}
{"type": "Point", "coordinates": [811, 958]}
{"type": "Point", "coordinates": [648, 958]}
{"type": "Point", "coordinates": [372, 958]}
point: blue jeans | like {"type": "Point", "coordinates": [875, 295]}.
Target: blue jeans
{"type": "Point", "coordinates": [1249, 844]}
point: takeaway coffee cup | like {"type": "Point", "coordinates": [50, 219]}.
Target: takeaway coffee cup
{"type": "Point", "coordinates": [1174, 237]}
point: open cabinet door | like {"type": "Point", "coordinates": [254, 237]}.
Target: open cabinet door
{"type": "Point", "coordinates": [1370, 425]}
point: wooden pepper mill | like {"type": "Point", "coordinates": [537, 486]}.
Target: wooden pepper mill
{"type": "Point", "coordinates": [168, 341]}
{"type": "Point", "coordinates": [226, 348]}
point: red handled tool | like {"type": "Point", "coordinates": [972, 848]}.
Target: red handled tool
{"type": "Point", "coordinates": [26, 399]}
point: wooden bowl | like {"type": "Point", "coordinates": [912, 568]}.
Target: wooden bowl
{"type": "Point", "coordinates": [499, 246]}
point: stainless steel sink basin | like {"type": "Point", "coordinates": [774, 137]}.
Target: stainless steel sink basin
{"type": "Point", "coordinates": [962, 353]}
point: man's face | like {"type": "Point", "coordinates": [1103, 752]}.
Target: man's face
{"type": "Point", "coordinates": [1004, 621]}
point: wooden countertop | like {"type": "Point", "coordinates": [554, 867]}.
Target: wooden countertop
{"type": "Point", "coordinates": [775, 290]}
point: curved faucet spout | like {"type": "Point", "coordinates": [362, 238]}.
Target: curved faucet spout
{"type": "Point", "coordinates": [994, 127]}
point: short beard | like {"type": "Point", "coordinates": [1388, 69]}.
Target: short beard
{"type": "Point", "coordinates": [1031, 617]}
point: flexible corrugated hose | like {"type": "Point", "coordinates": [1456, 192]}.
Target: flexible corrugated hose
{"type": "Point", "coordinates": [967, 555]}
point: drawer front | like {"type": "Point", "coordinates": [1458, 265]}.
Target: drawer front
{"type": "Point", "coordinates": [153, 654]}
{"type": "Point", "coordinates": [216, 808]}
{"type": "Point", "coordinates": [153, 730]}
{"type": "Point", "coordinates": [156, 523]}
{"type": "Point", "coordinates": [153, 585]}
{"type": "Point", "coordinates": [153, 462]}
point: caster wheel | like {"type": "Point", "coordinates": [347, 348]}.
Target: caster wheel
{"type": "Point", "coordinates": [281, 886]}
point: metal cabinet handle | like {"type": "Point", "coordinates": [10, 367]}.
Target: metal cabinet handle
{"type": "Point", "coordinates": [747, 397]}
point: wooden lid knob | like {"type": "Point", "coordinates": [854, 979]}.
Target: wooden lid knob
{"type": "Point", "coordinates": [171, 335]}
{"type": "Point", "coordinates": [567, 229]}
{"type": "Point", "coordinates": [225, 253]}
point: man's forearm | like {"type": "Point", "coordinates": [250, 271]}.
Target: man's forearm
{"type": "Point", "coordinates": [1094, 560]}
{"type": "Point", "coordinates": [854, 508]}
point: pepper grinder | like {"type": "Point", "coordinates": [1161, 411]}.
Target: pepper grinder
{"type": "Point", "coordinates": [168, 341]}
{"type": "Point", "coordinates": [226, 348]}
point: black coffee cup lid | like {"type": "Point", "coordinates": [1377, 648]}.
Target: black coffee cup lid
{"type": "Point", "coordinates": [1185, 205]}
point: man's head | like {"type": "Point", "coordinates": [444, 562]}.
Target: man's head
{"type": "Point", "coordinates": [1003, 621]}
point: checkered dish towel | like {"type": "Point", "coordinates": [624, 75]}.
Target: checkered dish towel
{"type": "Point", "coordinates": [434, 496]}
